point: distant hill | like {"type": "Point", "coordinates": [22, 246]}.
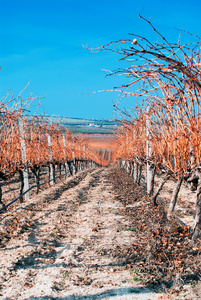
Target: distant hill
{"type": "Point", "coordinates": [89, 126]}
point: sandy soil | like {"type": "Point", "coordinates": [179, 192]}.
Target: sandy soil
{"type": "Point", "coordinates": [61, 243]}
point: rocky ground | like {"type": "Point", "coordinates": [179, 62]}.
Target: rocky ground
{"type": "Point", "coordinates": [96, 236]}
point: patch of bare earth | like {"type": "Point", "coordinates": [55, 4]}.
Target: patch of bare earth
{"type": "Point", "coordinates": [93, 237]}
{"type": "Point", "coordinates": [185, 208]}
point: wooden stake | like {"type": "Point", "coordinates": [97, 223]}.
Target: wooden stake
{"type": "Point", "coordinates": [148, 156]}
{"type": "Point", "coordinates": [65, 158]}
{"type": "Point", "coordinates": [51, 168]}
{"type": "Point", "coordinates": [24, 159]}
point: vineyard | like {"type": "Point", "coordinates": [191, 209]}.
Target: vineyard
{"type": "Point", "coordinates": [31, 146]}
{"type": "Point", "coordinates": [111, 215]}
{"type": "Point", "coordinates": [163, 131]}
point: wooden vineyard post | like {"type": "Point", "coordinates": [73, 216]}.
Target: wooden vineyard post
{"type": "Point", "coordinates": [84, 148]}
{"type": "Point", "coordinates": [123, 163]}
{"type": "Point", "coordinates": [109, 155]}
{"type": "Point", "coordinates": [101, 157]}
{"type": "Point", "coordinates": [51, 168]}
{"type": "Point", "coordinates": [151, 168]}
{"type": "Point", "coordinates": [65, 158]}
{"type": "Point", "coordinates": [135, 166]}
{"type": "Point", "coordinates": [80, 165]}
{"type": "Point", "coordinates": [148, 155]}
{"type": "Point", "coordinates": [92, 164]}
{"type": "Point", "coordinates": [128, 168]}
{"type": "Point", "coordinates": [135, 170]}
{"type": "Point", "coordinates": [87, 156]}
{"type": "Point", "coordinates": [24, 159]}
{"type": "Point", "coordinates": [127, 163]}
{"type": "Point", "coordinates": [73, 156]}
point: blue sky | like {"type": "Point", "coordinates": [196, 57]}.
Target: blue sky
{"type": "Point", "coordinates": [41, 42]}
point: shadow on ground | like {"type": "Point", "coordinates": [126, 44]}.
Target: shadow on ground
{"type": "Point", "coordinates": [110, 293]}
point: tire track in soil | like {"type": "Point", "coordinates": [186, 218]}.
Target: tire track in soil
{"type": "Point", "coordinates": [9, 220]}
{"type": "Point", "coordinates": [66, 252]}
{"type": "Point", "coordinates": [35, 245]}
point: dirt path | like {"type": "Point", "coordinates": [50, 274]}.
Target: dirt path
{"type": "Point", "coordinates": [62, 242]}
